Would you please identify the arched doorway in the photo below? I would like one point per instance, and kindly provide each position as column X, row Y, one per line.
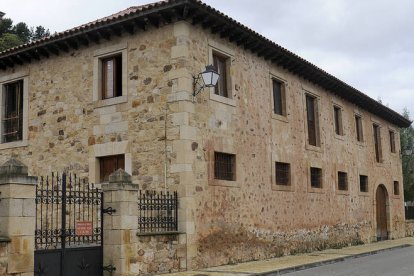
column 381, row 202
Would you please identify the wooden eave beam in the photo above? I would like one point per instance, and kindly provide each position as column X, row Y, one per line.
column 142, row 23
column 25, row 57
column 43, row 51
column 83, row 39
column 33, row 54
column 53, row 49
column 16, row 59
column 73, row 44
column 116, row 30
column 129, row 28
column 93, row 37
column 105, row 34
column 63, row 46
column 185, row 12
column 198, row 19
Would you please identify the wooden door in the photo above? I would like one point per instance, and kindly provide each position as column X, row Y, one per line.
column 381, row 198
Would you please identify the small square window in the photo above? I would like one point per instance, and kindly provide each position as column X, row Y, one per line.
column 282, row 174
column 342, row 181
column 392, row 141
column 111, row 77
column 316, row 177
column 279, row 100
column 396, row 188
column 221, row 64
column 224, row 166
column 109, row 164
column 12, row 114
column 363, row 183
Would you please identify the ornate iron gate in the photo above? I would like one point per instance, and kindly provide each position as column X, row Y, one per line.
column 68, row 236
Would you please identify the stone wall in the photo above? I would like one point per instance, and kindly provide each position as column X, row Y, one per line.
column 159, row 254
column 409, row 228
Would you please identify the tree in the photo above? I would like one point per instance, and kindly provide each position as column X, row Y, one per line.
column 14, row 35
column 407, row 145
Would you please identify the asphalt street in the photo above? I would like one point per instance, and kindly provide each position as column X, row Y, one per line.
column 397, row 262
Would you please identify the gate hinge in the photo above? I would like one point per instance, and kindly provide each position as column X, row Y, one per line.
column 109, row 268
column 108, row 211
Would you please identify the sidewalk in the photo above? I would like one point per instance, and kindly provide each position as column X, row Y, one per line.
column 298, row 262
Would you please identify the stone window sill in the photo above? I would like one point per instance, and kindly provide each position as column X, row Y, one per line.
column 313, row 148
column 111, row 101
column 223, row 183
column 283, row 188
column 159, row 233
column 366, row 194
column 282, row 118
column 16, row 144
column 342, row 192
column 316, row 190
column 221, row 99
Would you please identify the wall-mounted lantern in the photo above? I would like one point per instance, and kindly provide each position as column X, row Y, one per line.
column 209, row 77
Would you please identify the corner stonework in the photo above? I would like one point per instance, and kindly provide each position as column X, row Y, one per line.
column 17, row 218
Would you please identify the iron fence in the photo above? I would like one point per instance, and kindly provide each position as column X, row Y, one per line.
column 158, row 212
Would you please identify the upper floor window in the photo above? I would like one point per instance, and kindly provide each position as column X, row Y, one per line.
column 111, row 77
column 221, row 64
column 312, row 120
column 338, row 120
column 396, row 188
column 392, row 141
column 363, row 183
column 279, row 101
column 377, row 143
column 12, row 115
column 358, row 128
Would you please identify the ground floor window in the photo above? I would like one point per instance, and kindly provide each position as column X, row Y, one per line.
column 109, row 164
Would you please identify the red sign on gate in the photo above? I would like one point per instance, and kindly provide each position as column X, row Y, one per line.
column 83, row 228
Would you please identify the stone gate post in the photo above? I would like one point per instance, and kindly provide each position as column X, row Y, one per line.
column 119, row 236
column 17, row 217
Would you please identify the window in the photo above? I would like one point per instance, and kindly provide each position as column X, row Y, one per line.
column 312, row 120
column 282, row 174
column 316, row 177
column 396, row 188
column 110, row 164
column 224, row 166
column 221, row 63
column 111, row 77
column 358, row 128
column 338, row 120
column 392, row 141
column 342, row 181
column 279, row 102
column 363, row 183
column 377, row 143
column 12, row 115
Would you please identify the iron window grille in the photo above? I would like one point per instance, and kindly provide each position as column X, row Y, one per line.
column 316, row 177
column 342, row 181
column 282, row 174
column 224, row 166
column 363, row 183
column 158, row 212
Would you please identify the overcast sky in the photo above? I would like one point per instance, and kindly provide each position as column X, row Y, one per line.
column 368, row 44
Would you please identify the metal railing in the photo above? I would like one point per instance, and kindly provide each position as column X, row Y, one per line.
column 158, row 212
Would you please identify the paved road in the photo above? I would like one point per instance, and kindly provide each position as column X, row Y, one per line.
column 397, row 262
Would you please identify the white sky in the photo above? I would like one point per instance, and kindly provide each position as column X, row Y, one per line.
column 369, row 44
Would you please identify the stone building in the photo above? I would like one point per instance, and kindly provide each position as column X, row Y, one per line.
column 280, row 157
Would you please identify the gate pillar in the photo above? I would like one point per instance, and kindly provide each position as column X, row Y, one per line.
column 119, row 234
column 17, row 215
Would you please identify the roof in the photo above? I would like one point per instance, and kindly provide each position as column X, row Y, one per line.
column 135, row 19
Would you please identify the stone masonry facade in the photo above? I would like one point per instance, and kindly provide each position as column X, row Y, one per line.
column 157, row 124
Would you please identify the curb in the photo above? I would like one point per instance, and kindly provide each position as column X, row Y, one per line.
column 327, row 262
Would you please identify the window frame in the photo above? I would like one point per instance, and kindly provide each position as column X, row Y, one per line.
column 359, row 128
column 367, row 183
column 378, row 154
column 8, row 80
column 396, row 188
column 342, row 176
column 315, row 100
column 98, row 57
column 101, row 161
column 233, row 165
column 338, row 120
column 391, row 135
column 222, row 50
